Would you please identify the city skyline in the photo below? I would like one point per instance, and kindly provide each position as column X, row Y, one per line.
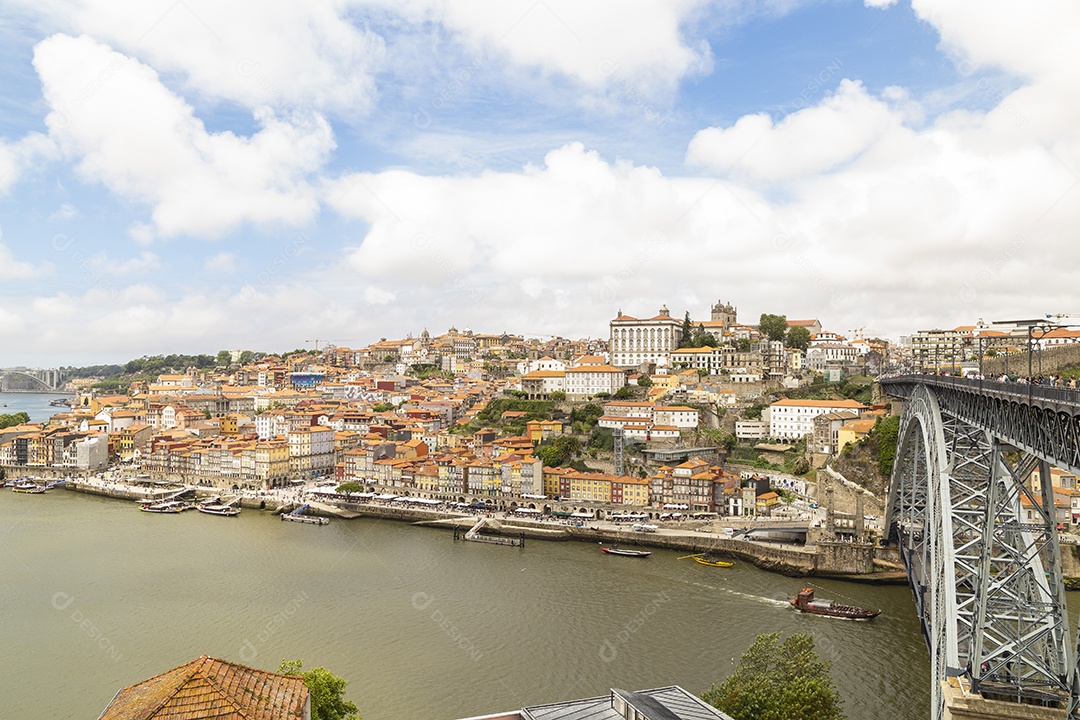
column 190, row 177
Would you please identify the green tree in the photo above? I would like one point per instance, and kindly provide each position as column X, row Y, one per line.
column 644, row 381
column 327, row 691
column 773, row 327
column 798, row 337
column 383, row 407
column 10, row 420
column 687, row 334
column 777, row 680
column 743, row 345
column 247, row 356
column 224, row 357
column 623, row 393
column 703, row 339
column 350, row 488
column 557, row 396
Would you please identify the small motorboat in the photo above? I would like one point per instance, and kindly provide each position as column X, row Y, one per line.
column 626, row 553
column 644, row 527
column 805, row 602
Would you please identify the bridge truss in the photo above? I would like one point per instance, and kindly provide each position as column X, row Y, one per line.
column 980, row 547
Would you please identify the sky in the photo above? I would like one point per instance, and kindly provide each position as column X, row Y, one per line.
column 186, row 176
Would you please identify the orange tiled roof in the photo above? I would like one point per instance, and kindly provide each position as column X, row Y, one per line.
column 211, row 688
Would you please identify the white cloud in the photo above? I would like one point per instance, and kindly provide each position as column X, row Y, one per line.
column 811, row 141
column 17, row 157
column 222, row 263
column 278, row 54
column 130, row 133
column 143, row 263
column 12, row 269
column 597, row 44
column 66, row 211
column 377, row 296
column 879, row 4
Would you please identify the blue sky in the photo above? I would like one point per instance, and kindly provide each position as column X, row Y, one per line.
column 187, row 176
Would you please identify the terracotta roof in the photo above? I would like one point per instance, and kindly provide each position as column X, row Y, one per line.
column 211, row 688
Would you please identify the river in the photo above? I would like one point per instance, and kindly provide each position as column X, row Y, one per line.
column 36, row 405
column 96, row 595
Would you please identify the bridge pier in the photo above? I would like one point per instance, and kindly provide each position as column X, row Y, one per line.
column 962, row 704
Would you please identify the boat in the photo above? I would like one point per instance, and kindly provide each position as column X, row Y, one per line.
column 705, row 560
column 170, row 507
column 805, row 602
column 644, row 527
column 26, row 485
column 625, row 553
column 218, row 509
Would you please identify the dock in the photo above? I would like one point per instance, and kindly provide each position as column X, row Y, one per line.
column 473, row 535
column 297, row 516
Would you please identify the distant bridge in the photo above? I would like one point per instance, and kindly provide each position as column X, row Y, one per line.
column 980, row 545
column 31, row 380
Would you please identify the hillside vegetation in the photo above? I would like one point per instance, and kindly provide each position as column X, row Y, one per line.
column 869, row 462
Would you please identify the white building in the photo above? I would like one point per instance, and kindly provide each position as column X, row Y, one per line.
column 547, row 363
column 678, row 415
column 587, row 380
column 635, row 341
column 793, row 419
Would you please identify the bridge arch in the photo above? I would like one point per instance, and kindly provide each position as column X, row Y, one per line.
column 979, row 546
column 18, row 373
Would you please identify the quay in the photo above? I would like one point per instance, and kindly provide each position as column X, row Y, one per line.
column 860, row 562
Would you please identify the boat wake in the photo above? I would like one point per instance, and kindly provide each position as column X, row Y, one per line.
column 746, row 596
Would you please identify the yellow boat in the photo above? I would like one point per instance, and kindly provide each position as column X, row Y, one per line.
column 701, row 558
column 712, row 563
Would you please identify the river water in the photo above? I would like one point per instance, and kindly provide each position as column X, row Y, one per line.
column 95, row 595
column 36, row 405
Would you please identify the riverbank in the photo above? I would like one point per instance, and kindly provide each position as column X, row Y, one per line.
column 840, row 561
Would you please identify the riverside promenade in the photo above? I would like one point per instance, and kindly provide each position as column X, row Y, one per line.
column 852, row 561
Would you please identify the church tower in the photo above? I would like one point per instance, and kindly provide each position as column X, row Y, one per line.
column 724, row 313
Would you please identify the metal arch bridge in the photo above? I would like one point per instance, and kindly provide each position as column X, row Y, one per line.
column 979, row 545
column 50, row 380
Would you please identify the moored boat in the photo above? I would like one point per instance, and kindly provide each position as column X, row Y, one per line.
column 805, row 602
column 169, row 507
column 626, row 553
column 26, row 485
column 218, row 509
column 705, row 560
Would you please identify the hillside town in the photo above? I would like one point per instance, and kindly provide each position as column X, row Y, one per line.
column 647, row 418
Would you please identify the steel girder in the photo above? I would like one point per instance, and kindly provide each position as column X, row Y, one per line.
column 980, row 550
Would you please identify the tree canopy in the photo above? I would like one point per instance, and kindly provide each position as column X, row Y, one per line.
column 798, row 337
column 777, row 680
column 773, row 327
column 11, row 419
column 327, row 691
column 701, row 338
column 350, row 488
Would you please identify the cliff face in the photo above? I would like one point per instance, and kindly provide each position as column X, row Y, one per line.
column 861, row 462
